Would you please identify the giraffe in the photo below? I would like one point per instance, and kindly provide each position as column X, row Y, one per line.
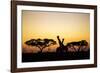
column 61, row 47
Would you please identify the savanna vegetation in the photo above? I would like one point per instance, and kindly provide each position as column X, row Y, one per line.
column 75, row 50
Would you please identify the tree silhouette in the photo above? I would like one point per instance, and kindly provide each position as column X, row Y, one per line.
column 78, row 43
column 82, row 43
column 41, row 43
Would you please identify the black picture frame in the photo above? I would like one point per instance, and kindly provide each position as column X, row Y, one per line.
column 14, row 35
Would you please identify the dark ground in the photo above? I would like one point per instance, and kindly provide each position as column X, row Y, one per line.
column 37, row 57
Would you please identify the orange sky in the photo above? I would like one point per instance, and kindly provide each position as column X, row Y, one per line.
column 70, row 26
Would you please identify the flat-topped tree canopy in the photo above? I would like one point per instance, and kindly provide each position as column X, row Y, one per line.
column 41, row 43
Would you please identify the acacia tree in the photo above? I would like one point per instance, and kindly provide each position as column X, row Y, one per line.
column 41, row 43
column 79, row 43
column 82, row 43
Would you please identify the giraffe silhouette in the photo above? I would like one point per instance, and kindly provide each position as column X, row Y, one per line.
column 61, row 47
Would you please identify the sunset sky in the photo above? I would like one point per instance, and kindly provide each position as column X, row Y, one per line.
column 70, row 26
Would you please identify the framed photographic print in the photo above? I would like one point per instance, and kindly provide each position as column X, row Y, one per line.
column 52, row 36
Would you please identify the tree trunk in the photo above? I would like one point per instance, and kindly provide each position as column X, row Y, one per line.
column 41, row 49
